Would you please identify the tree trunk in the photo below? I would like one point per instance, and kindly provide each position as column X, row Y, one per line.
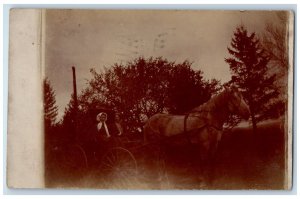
column 252, row 114
column 254, row 122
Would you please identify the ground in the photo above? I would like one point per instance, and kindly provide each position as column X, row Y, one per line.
column 245, row 160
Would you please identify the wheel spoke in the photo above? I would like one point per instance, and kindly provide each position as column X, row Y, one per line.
column 119, row 164
column 110, row 160
column 108, row 165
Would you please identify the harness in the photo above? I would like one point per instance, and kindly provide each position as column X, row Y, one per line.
column 184, row 128
column 202, row 127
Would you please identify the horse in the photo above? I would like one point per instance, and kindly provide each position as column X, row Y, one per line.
column 202, row 125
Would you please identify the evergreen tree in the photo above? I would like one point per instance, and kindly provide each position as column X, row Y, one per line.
column 248, row 65
column 69, row 121
column 69, row 113
column 50, row 108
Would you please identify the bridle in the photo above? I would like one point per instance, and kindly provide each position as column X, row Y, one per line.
column 237, row 107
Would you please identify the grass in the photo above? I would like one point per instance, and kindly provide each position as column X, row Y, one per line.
column 245, row 160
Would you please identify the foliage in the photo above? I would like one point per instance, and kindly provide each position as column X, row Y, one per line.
column 249, row 67
column 187, row 88
column 274, row 41
column 143, row 87
column 75, row 122
column 50, row 107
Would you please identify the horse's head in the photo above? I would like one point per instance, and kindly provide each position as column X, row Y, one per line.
column 236, row 102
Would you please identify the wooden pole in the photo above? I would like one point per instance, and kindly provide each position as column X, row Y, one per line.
column 75, row 101
column 74, row 87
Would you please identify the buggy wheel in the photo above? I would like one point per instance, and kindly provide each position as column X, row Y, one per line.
column 74, row 159
column 119, row 166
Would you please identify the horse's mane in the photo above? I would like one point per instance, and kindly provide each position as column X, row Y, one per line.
column 214, row 102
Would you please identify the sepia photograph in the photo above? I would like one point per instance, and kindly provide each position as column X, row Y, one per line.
column 167, row 99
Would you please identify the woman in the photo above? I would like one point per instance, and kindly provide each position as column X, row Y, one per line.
column 102, row 126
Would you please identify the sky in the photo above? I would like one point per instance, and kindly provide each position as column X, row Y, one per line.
column 99, row 38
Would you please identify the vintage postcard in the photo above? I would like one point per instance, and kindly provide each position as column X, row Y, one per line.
column 150, row 99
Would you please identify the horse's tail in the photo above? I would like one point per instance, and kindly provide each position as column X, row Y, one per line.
column 148, row 128
column 185, row 128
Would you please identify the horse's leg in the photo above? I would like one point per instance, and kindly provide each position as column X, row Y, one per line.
column 149, row 155
column 211, row 164
column 204, row 143
column 162, row 167
column 153, row 131
column 213, row 152
column 156, row 165
column 202, row 163
column 151, row 165
column 152, row 158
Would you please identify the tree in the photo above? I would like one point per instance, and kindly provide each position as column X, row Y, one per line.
column 249, row 67
column 144, row 87
column 135, row 90
column 50, row 108
column 74, row 121
column 69, row 113
column 188, row 89
column 275, row 41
